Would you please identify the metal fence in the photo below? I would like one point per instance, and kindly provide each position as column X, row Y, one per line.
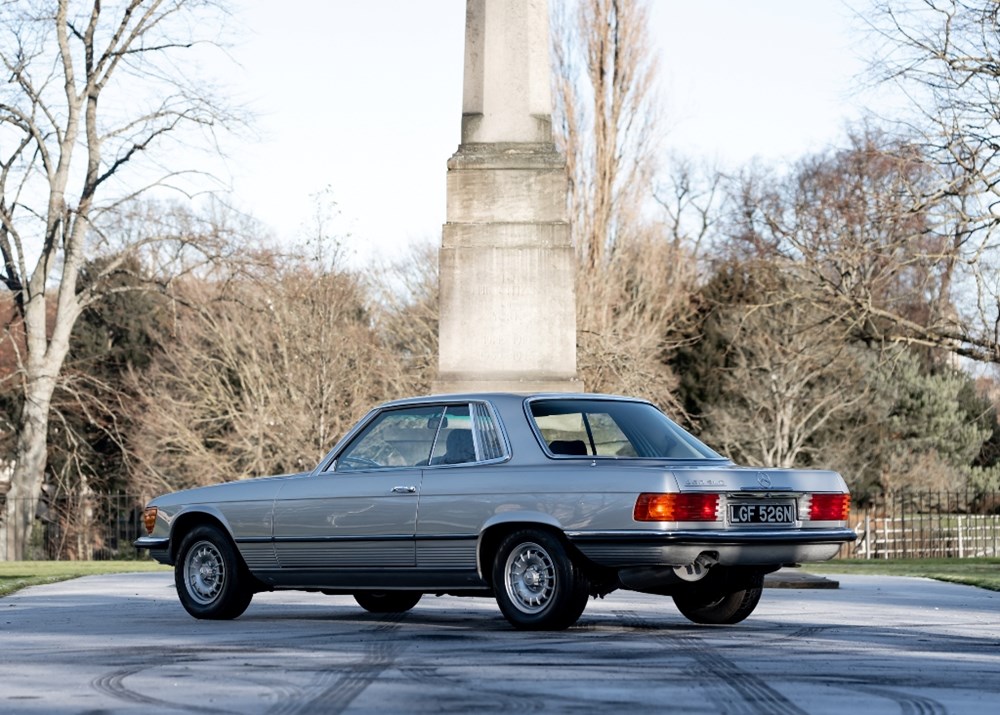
column 924, row 525
column 889, row 526
column 95, row 527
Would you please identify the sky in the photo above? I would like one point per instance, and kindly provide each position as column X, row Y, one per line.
column 361, row 101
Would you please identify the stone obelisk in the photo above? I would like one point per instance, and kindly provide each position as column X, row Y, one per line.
column 508, row 301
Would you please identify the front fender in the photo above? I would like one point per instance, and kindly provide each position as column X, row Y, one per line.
column 171, row 523
column 195, row 513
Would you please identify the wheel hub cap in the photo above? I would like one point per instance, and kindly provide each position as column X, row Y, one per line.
column 204, row 572
column 530, row 578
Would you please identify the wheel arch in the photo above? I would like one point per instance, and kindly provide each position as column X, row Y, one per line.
column 188, row 519
column 496, row 529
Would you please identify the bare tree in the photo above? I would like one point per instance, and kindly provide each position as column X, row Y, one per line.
column 262, row 376
column 691, row 197
column 606, row 120
column 97, row 94
column 408, row 314
column 630, row 314
column 859, row 224
column 636, row 266
column 945, row 56
column 788, row 372
column 823, row 363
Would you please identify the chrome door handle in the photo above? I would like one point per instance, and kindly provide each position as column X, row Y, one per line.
column 404, row 490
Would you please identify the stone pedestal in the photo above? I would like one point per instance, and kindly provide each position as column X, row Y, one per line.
column 508, row 301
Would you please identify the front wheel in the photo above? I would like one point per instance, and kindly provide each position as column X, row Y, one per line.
column 721, row 603
column 387, row 601
column 536, row 583
column 211, row 580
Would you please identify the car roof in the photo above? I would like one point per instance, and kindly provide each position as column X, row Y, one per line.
column 507, row 397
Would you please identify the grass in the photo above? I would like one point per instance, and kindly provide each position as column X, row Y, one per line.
column 15, row 575
column 984, row 573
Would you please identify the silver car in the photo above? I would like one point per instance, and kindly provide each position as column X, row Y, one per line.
column 539, row 501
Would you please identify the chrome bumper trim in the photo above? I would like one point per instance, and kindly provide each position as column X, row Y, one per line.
column 718, row 536
column 153, row 543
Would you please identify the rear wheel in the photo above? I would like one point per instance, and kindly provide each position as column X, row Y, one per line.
column 721, row 601
column 536, row 583
column 387, row 601
column 210, row 577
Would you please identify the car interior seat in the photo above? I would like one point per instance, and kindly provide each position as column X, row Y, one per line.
column 459, row 448
column 572, row 447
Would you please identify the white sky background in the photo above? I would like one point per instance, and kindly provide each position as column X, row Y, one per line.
column 365, row 97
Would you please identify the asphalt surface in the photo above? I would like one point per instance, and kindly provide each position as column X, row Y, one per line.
column 123, row 644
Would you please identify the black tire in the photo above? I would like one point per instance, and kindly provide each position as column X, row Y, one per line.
column 387, row 601
column 721, row 603
column 211, row 579
column 536, row 583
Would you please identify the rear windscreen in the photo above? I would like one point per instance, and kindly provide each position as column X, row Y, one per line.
column 613, row 428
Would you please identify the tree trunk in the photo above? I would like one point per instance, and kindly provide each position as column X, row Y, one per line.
column 29, row 469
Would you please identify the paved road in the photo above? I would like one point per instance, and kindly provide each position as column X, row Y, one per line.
column 122, row 644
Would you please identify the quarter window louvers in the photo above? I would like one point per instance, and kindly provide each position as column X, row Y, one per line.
column 486, row 432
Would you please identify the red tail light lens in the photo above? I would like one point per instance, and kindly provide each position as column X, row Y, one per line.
column 830, row 507
column 676, row 507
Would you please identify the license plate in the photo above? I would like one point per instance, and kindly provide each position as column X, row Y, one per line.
column 769, row 513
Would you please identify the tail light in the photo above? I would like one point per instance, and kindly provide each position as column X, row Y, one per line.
column 149, row 518
column 676, row 507
column 829, row 507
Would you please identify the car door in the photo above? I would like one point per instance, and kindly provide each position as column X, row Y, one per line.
column 461, row 489
column 361, row 513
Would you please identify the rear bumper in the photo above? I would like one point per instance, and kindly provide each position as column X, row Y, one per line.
column 757, row 547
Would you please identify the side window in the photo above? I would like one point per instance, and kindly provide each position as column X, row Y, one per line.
column 469, row 433
column 609, row 440
column 583, row 433
column 396, row 438
column 565, row 433
column 456, row 444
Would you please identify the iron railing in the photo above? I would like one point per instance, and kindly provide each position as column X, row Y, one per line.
column 924, row 525
column 93, row 527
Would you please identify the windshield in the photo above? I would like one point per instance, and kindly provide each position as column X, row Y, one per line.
column 613, row 428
